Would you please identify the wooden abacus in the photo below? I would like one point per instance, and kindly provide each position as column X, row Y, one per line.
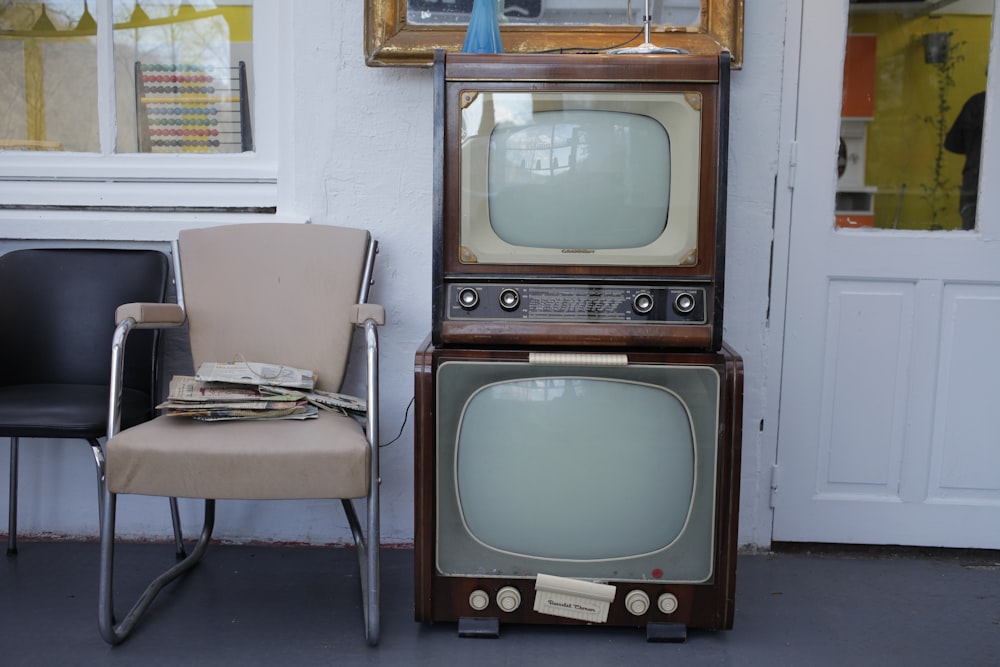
column 180, row 109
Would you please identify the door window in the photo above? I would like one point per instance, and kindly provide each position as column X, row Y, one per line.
column 912, row 115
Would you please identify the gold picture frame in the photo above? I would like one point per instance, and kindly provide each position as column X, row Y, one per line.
column 391, row 41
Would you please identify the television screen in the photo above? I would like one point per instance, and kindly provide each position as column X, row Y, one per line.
column 603, row 178
column 632, row 497
column 581, row 471
column 600, row 178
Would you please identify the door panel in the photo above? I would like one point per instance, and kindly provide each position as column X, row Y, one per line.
column 864, row 387
column 889, row 392
column 966, row 464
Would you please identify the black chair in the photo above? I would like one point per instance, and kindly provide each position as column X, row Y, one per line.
column 57, row 309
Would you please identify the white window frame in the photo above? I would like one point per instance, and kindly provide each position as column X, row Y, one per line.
column 164, row 184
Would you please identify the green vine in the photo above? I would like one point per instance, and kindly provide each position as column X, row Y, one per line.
column 938, row 193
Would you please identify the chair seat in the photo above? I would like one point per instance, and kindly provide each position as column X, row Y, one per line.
column 64, row 410
column 325, row 457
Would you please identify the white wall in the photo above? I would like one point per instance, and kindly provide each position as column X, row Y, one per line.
column 362, row 158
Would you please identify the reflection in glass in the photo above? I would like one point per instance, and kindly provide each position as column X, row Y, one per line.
column 966, row 138
column 186, row 56
column 185, row 59
column 571, row 166
column 911, row 121
column 48, row 76
column 559, row 12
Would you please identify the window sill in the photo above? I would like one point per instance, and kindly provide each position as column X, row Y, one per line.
column 91, row 225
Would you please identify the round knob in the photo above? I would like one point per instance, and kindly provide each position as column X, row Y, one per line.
column 642, row 303
column 637, row 602
column 479, row 600
column 509, row 299
column 684, row 303
column 468, row 298
column 667, row 603
column 508, row 598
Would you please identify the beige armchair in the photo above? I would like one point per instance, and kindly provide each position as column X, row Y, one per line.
column 280, row 293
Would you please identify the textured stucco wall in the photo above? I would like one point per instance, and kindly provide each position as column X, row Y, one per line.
column 362, row 158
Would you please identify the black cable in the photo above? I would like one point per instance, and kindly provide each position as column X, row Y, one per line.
column 403, row 426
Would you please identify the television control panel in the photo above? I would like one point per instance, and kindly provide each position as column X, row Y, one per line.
column 674, row 314
column 599, row 302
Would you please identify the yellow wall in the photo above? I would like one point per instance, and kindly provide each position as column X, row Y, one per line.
column 902, row 146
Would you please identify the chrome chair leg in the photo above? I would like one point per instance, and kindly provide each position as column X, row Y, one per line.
column 95, row 447
column 12, row 506
column 115, row 633
column 368, row 565
column 175, row 518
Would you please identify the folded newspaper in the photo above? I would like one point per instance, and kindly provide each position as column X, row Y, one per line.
column 257, row 373
column 333, row 401
column 217, row 401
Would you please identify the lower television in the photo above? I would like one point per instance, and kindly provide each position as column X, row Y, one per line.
column 578, row 487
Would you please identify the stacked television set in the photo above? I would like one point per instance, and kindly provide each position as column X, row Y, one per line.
column 578, row 414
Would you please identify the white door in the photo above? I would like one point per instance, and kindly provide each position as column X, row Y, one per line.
column 889, row 427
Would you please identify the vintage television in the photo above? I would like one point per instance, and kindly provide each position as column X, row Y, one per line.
column 557, row 486
column 579, row 199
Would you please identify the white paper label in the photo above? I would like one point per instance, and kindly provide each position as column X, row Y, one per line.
column 573, row 598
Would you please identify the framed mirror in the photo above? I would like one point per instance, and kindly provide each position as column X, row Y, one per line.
column 406, row 32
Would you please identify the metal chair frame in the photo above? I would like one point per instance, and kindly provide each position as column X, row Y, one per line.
column 366, row 537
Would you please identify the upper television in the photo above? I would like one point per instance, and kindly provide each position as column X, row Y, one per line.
column 580, row 199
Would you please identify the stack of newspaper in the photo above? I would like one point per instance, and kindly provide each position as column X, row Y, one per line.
column 252, row 390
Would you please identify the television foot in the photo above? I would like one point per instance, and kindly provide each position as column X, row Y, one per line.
column 481, row 628
column 666, row 632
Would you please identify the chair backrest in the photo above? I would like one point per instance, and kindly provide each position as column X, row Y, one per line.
column 273, row 292
column 57, row 308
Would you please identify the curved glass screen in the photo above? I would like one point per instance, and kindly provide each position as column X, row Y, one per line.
column 588, row 179
column 575, row 468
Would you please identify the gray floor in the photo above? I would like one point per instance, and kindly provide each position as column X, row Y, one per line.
column 267, row 605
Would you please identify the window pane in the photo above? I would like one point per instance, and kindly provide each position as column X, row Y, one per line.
column 912, row 117
column 183, row 76
column 48, row 76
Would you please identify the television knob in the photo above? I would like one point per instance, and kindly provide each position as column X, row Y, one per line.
column 479, row 599
column 637, row 602
column 684, row 303
column 468, row 298
column 509, row 299
column 642, row 303
column 667, row 603
column 508, row 598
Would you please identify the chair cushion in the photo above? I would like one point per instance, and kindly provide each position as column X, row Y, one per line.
column 65, row 410
column 327, row 457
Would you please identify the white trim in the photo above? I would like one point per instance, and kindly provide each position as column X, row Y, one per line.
column 107, row 113
column 117, row 226
column 987, row 222
column 239, row 196
column 775, row 332
column 280, row 117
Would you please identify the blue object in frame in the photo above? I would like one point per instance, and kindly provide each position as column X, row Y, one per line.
column 483, row 35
